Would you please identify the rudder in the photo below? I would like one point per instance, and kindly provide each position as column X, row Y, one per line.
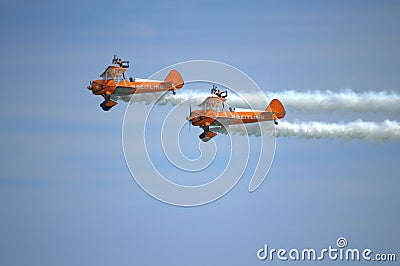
column 276, row 107
column 175, row 77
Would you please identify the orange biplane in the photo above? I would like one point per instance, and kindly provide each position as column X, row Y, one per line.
column 114, row 83
column 213, row 114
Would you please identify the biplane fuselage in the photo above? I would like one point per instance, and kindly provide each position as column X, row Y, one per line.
column 213, row 113
column 209, row 118
column 110, row 85
column 114, row 83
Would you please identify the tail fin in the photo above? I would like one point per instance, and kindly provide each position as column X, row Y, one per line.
column 175, row 78
column 276, row 107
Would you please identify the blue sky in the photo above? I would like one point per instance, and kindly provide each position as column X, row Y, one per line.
column 66, row 194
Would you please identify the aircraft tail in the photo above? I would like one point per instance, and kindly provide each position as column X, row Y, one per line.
column 276, row 107
column 175, row 77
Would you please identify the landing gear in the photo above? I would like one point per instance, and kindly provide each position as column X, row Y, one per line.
column 275, row 117
column 202, row 136
column 104, row 106
column 174, row 92
column 207, row 134
column 107, row 104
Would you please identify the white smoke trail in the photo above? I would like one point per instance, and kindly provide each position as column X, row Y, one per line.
column 343, row 101
column 387, row 130
column 372, row 131
column 310, row 101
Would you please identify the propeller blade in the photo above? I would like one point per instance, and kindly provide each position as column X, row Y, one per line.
column 190, row 116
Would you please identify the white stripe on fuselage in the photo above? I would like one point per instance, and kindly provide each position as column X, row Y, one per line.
column 147, row 80
column 247, row 110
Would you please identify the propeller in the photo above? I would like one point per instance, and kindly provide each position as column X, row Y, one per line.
column 190, row 116
column 90, row 85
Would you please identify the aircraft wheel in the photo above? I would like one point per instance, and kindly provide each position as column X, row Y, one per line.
column 105, row 107
column 202, row 136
